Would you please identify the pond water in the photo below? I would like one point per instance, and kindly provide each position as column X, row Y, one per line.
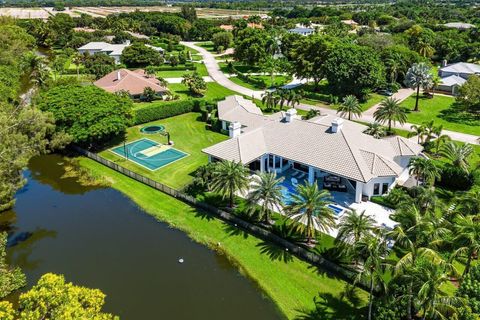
column 98, row 238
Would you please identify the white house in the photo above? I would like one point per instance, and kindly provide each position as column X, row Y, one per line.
column 331, row 151
column 456, row 74
column 112, row 50
column 459, row 25
column 302, row 31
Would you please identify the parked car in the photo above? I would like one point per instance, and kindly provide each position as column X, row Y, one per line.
column 385, row 92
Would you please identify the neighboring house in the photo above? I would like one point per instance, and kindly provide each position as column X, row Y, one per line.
column 459, row 25
column 226, row 27
column 323, row 149
column 456, row 74
column 302, row 31
column 133, row 82
column 112, row 50
column 351, row 23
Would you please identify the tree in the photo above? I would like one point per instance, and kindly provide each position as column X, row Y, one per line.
column 52, row 298
column 195, row 83
column 77, row 59
column 265, row 195
column 469, row 94
column 272, row 66
column 148, row 94
column 189, row 13
column 440, row 141
column 390, row 112
column 98, row 64
column 376, row 130
column 372, row 249
column 470, row 289
column 139, row 55
column 354, row 226
column 353, row 69
column 58, row 65
column 11, row 278
column 467, row 238
column 174, row 61
column 222, row 39
column 308, row 209
column 419, row 75
column 424, row 169
column 349, row 107
column 229, row 178
column 88, row 114
column 282, row 97
column 270, row 99
column 251, row 46
column 294, row 97
column 458, row 154
column 308, row 57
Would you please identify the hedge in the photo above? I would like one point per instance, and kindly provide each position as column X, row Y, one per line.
column 162, row 110
column 256, row 82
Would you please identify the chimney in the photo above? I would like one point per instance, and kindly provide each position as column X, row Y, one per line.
column 290, row 115
column 337, row 125
column 119, row 75
column 127, row 42
column 444, row 63
column 234, row 129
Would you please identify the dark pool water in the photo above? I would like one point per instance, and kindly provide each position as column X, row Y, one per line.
column 99, row 238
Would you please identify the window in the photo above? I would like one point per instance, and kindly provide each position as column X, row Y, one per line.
column 384, row 188
column 376, row 188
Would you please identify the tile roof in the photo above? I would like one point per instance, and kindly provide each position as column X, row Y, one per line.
column 132, row 81
column 453, row 80
column 462, row 67
column 349, row 153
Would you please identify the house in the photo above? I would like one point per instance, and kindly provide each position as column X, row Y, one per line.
column 331, row 151
column 112, row 50
column 350, row 23
column 459, row 25
column 455, row 75
column 133, row 82
column 302, row 31
column 226, row 27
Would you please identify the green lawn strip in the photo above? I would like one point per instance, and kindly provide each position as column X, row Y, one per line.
column 443, row 110
column 189, row 135
column 292, row 285
column 278, row 81
column 208, row 45
column 214, row 91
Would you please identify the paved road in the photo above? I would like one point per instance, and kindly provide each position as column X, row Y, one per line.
column 217, row 75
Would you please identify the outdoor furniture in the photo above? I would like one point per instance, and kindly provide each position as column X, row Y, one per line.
column 331, row 178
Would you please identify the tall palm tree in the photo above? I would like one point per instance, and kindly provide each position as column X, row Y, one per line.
column 418, row 76
column 440, row 141
column 265, row 195
column 373, row 249
column 390, row 111
column 350, row 106
column 294, row 97
column 270, row 99
column 228, row 178
column 467, row 239
column 458, row 154
column 282, row 97
column 78, row 59
column 354, row 226
column 469, row 202
column 376, row 130
column 424, row 169
column 425, row 49
column 419, row 131
column 309, row 210
column 436, row 81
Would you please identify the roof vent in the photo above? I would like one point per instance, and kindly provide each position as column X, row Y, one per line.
column 290, row 115
column 119, row 75
column 234, row 129
column 337, row 125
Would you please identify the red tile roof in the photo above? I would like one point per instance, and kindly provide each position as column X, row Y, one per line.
column 132, row 81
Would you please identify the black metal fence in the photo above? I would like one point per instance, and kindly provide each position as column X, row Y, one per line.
column 292, row 248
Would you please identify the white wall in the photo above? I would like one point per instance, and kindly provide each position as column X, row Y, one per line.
column 368, row 187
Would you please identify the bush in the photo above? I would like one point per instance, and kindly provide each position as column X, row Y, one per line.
column 470, row 288
column 454, row 178
column 164, row 110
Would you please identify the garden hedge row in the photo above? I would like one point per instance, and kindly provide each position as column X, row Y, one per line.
column 256, row 82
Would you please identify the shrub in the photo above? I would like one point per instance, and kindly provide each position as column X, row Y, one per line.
column 470, row 289
column 164, row 110
column 454, row 178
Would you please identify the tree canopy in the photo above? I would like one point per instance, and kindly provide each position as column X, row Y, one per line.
column 139, row 55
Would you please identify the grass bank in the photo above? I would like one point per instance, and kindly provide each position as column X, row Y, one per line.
column 292, row 284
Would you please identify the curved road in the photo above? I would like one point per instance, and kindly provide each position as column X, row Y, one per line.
column 218, row 76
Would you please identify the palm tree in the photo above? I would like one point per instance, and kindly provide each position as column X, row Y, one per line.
column 265, row 195
column 294, row 97
column 467, row 239
column 434, row 303
column 78, row 59
column 440, row 141
column 469, row 202
column 282, row 96
column 436, row 81
column 230, row 177
column 431, row 130
column 457, row 153
column 204, row 174
column 424, row 169
column 350, row 106
column 425, row 49
column 353, row 226
column 417, row 76
column 376, row 130
column 419, row 131
column 373, row 249
column 270, row 99
column 309, row 210
column 390, row 111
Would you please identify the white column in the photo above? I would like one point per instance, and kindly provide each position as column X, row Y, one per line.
column 311, row 175
column 262, row 163
column 274, row 160
column 358, row 192
column 224, row 125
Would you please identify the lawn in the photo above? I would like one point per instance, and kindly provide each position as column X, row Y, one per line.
column 199, row 68
column 214, row 91
column 189, row 135
column 279, row 81
column 208, row 45
column 443, row 110
column 292, row 285
column 240, row 67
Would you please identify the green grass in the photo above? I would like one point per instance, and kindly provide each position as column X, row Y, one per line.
column 291, row 285
column 199, row 68
column 214, row 91
column 443, row 110
column 279, row 81
column 240, row 67
column 208, row 45
column 189, row 135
